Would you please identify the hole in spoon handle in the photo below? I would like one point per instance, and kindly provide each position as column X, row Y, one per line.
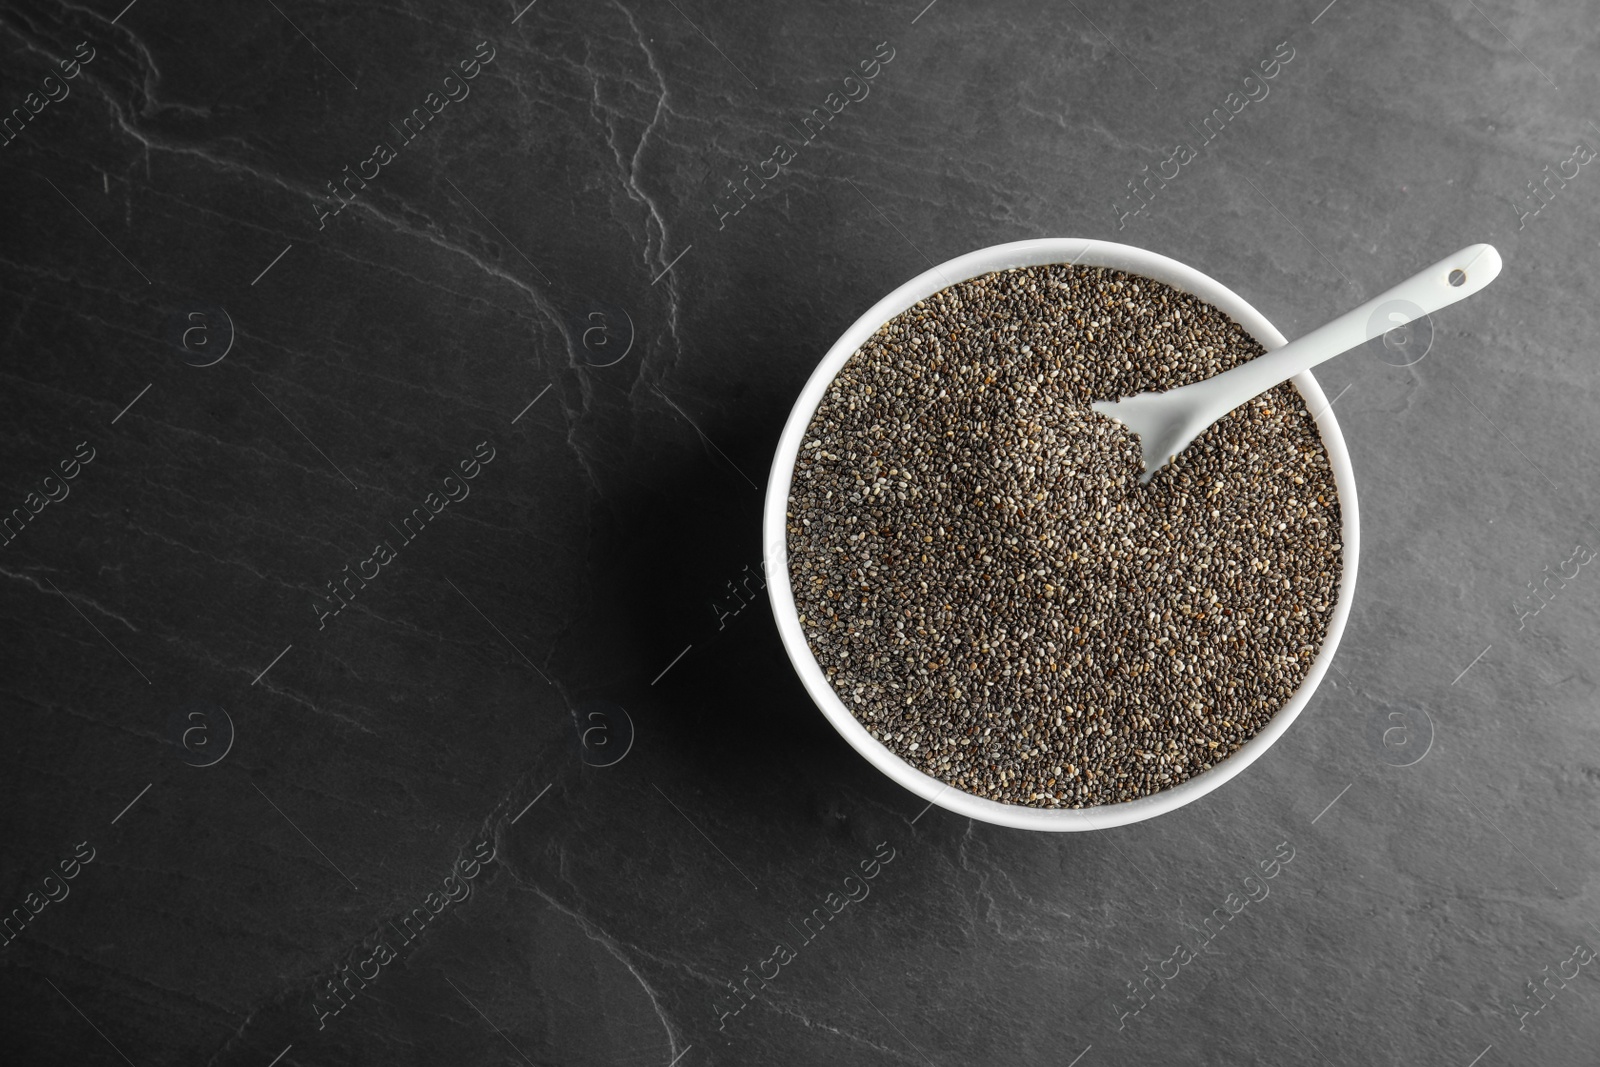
column 1458, row 277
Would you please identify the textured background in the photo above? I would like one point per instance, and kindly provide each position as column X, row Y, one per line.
column 582, row 633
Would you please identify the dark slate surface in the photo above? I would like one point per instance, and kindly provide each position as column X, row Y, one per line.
column 516, row 252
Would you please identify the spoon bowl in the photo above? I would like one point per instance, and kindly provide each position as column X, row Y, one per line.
column 930, row 790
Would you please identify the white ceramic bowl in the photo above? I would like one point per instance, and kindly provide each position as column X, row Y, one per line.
column 1003, row 257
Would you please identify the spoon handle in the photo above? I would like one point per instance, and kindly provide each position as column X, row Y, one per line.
column 1452, row 278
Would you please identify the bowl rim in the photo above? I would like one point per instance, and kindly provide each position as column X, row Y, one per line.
column 1041, row 252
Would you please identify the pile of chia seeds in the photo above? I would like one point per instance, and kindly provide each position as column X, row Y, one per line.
column 989, row 588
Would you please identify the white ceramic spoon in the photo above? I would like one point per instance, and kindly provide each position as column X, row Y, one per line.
column 1167, row 422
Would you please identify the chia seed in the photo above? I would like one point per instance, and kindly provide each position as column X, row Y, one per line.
column 988, row 587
